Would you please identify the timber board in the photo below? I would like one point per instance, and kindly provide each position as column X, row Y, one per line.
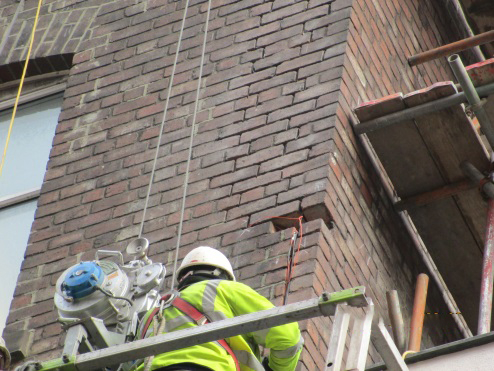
column 422, row 155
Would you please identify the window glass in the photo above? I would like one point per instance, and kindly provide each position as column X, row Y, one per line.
column 15, row 225
column 29, row 145
column 24, row 168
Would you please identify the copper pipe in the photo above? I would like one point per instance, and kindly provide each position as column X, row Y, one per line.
column 417, row 322
column 397, row 323
column 485, row 307
column 448, row 49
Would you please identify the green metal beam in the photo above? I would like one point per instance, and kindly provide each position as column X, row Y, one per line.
column 139, row 349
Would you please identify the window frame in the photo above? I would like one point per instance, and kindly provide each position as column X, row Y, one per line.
column 34, row 193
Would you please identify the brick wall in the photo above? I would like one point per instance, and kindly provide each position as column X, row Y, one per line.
column 273, row 138
column 382, row 34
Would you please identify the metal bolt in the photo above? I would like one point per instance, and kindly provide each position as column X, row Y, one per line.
column 325, row 296
column 148, row 273
column 65, row 358
column 108, row 283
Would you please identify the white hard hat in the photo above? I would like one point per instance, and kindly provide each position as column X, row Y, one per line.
column 205, row 255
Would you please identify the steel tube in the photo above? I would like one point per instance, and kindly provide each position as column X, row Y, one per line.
column 397, row 323
column 466, row 27
column 417, row 322
column 486, row 284
column 435, row 195
column 472, row 97
column 476, row 176
column 448, row 49
column 417, row 111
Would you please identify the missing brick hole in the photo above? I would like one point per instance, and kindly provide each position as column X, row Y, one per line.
column 280, row 224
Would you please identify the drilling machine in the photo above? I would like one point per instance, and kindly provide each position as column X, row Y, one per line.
column 100, row 302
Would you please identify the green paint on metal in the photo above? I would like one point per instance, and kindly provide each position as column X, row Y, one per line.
column 347, row 295
column 67, row 363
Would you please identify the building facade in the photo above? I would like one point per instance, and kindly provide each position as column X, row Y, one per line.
column 273, row 138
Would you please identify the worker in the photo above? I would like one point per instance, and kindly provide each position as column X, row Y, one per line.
column 207, row 284
column 4, row 355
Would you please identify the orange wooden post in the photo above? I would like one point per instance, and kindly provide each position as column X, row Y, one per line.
column 417, row 322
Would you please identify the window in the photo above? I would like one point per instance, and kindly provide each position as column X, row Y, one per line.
column 20, row 182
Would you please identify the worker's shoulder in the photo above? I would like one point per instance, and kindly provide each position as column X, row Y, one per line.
column 235, row 286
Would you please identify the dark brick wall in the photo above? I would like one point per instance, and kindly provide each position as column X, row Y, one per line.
column 273, row 138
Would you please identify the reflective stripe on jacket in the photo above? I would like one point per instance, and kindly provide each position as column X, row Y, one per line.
column 221, row 299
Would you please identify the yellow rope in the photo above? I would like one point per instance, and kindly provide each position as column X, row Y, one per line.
column 20, row 86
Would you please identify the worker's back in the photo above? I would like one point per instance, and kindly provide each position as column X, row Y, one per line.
column 221, row 299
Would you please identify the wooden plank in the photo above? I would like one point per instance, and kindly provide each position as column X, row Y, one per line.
column 450, row 242
column 448, row 134
column 451, row 139
column 401, row 150
column 481, row 73
column 424, row 155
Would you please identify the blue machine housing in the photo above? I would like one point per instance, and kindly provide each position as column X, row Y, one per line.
column 81, row 280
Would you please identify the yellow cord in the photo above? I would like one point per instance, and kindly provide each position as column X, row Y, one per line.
column 20, row 86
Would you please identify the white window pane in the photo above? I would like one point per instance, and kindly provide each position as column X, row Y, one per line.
column 15, row 225
column 29, row 146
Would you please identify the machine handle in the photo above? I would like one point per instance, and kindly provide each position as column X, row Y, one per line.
column 110, row 252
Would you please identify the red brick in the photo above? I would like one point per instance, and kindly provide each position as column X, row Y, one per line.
column 211, row 171
column 289, row 209
column 234, row 177
column 277, row 58
column 232, row 50
column 238, row 5
column 251, row 78
column 269, row 106
column 313, row 115
column 309, row 141
column 291, row 111
column 275, row 81
column 297, row 40
column 284, row 12
column 221, row 229
column 305, row 16
column 283, row 161
column 252, row 195
column 215, row 146
column 243, row 126
column 238, row 27
column 260, row 157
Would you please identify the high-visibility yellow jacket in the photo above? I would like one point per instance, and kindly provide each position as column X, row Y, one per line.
column 221, row 299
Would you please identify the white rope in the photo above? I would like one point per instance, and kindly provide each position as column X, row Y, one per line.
column 192, row 132
column 165, row 111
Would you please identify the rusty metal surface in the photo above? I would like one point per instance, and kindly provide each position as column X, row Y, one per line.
column 455, row 47
column 480, row 73
column 424, row 155
column 485, row 307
